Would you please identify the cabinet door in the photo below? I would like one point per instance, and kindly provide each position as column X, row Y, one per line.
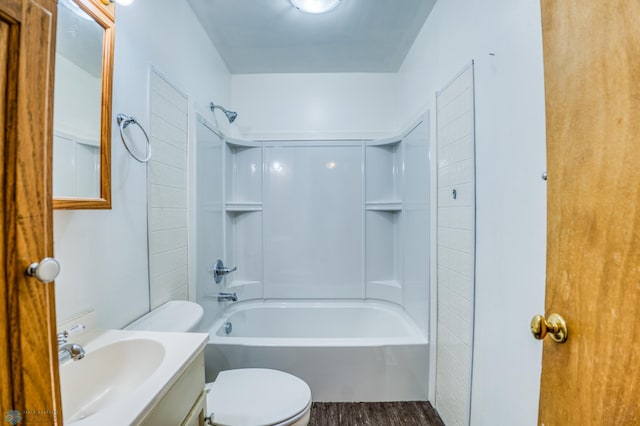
column 178, row 404
column 197, row 414
column 29, row 382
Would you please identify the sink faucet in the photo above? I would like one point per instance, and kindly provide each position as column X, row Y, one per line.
column 69, row 350
column 227, row 297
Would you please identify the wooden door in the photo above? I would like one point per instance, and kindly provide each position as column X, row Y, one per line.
column 592, row 83
column 29, row 385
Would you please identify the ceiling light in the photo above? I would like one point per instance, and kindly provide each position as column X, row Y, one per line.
column 315, row 6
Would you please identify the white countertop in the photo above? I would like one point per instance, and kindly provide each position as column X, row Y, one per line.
column 180, row 349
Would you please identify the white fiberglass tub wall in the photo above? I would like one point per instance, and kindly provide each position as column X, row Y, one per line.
column 321, row 219
column 344, row 350
column 313, row 219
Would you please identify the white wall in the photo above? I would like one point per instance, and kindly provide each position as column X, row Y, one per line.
column 104, row 253
column 511, row 206
column 316, row 106
column 77, row 102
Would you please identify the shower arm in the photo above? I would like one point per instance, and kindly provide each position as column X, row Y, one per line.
column 213, row 106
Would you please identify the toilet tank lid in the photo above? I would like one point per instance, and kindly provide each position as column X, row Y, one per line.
column 175, row 315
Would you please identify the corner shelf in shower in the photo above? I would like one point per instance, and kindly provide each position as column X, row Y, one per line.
column 242, row 283
column 243, row 216
column 243, row 176
column 387, row 283
column 241, row 143
column 384, row 206
column 384, row 173
column 389, row 290
column 395, row 140
column 237, row 207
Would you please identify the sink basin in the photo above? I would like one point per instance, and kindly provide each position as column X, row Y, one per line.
column 106, row 374
column 123, row 374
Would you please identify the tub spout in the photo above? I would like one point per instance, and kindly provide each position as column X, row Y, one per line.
column 227, row 297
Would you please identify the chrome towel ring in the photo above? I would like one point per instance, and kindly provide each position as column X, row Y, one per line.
column 124, row 121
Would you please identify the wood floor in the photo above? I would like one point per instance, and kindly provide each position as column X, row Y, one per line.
column 374, row 414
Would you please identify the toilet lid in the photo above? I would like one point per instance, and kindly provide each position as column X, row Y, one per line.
column 256, row 397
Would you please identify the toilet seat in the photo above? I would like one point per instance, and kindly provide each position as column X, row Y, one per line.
column 257, row 397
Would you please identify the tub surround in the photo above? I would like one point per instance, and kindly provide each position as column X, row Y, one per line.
column 316, row 219
column 331, row 242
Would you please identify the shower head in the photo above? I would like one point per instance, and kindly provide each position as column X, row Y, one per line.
column 231, row 115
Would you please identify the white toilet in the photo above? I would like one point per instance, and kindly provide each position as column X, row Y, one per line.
column 242, row 397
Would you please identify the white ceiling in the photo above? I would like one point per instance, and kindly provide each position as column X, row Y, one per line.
column 271, row 36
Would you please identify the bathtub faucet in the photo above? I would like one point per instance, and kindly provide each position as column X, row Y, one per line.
column 227, row 297
column 219, row 270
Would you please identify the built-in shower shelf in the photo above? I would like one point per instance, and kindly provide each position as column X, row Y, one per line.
column 384, row 206
column 390, row 290
column 240, row 143
column 243, row 207
column 388, row 283
column 242, row 283
column 385, row 142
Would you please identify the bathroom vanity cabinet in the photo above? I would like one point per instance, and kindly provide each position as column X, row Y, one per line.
column 184, row 402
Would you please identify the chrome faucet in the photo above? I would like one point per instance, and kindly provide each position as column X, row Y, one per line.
column 70, row 351
column 66, row 350
column 219, row 270
column 227, row 297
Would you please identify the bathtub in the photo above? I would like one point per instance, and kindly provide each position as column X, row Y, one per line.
column 345, row 351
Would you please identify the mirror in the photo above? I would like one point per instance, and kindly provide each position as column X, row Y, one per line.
column 82, row 106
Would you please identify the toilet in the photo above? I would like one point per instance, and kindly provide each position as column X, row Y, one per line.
column 242, row 397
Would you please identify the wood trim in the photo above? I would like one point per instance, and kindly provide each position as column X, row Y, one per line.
column 107, row 6
column 8, row 62
column 28, row 311
column 105, row 20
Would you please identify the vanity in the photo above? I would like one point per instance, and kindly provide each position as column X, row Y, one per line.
column 135, row 378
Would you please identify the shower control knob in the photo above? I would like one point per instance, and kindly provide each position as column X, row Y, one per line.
column 219, row 271
column 46, row 271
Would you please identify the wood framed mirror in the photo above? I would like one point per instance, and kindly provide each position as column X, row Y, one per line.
column 82, row 105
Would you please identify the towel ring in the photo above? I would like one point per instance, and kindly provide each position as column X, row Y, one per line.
column 123, row 122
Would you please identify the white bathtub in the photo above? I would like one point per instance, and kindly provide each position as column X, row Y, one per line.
column 345, row 351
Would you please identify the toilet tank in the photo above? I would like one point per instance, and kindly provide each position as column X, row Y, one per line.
column 175, row 315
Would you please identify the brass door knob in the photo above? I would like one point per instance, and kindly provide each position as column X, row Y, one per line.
column 555, row 327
